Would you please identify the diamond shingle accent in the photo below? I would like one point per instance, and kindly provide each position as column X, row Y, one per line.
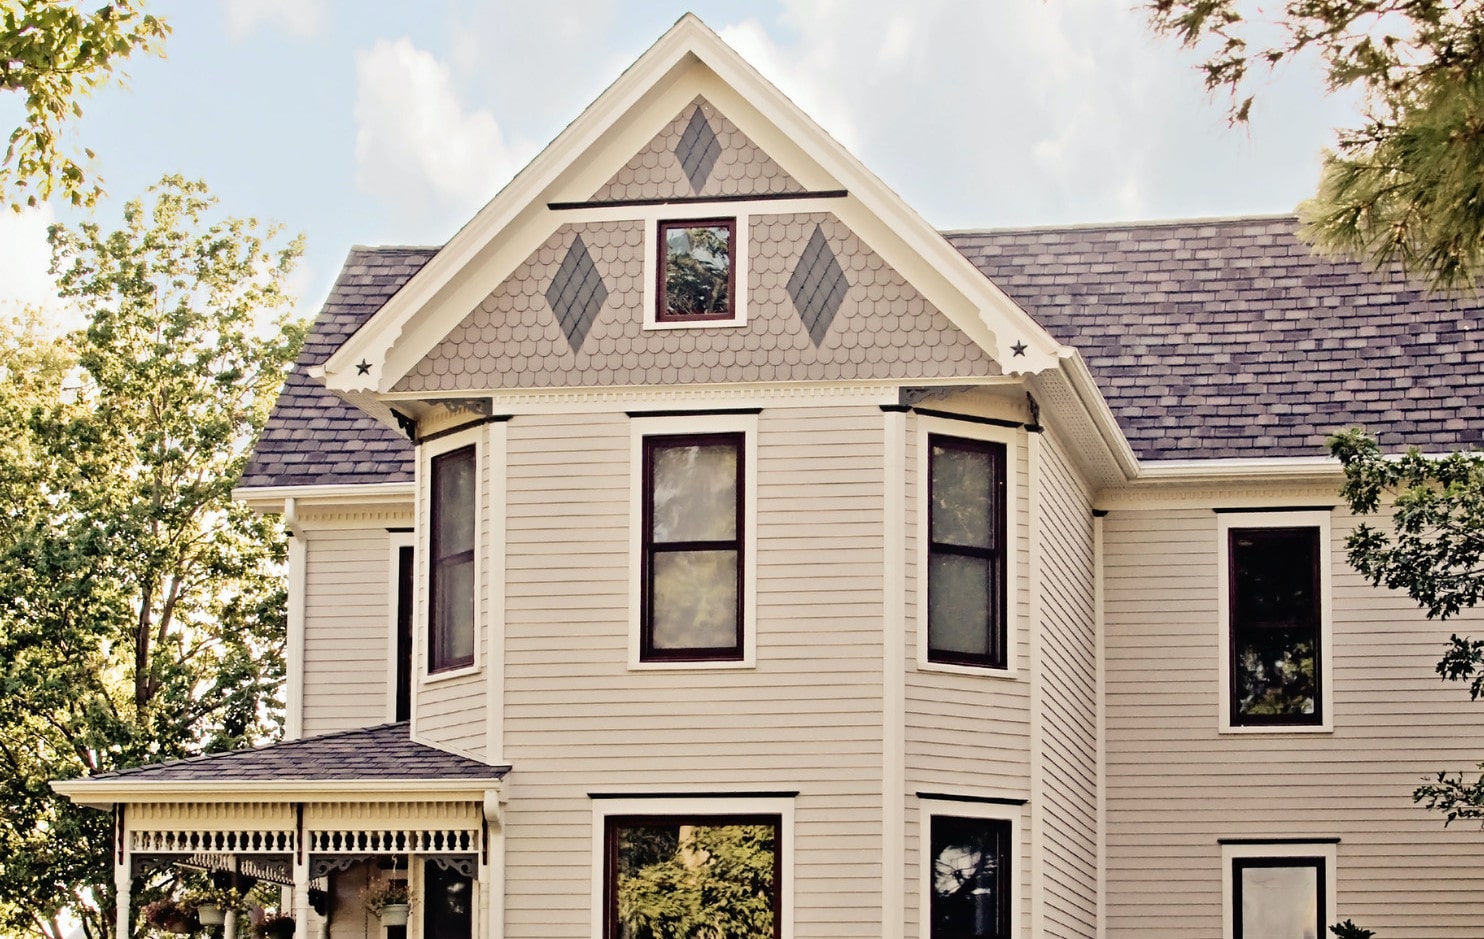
column 698, row 150
column 817, row 286
column 576, row 293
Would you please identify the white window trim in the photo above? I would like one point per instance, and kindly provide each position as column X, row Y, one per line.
column 740, row 804
column 397, row 540
column 930, row 807
column 1225, row 522
column 652, row 216
column 1231, row 852
column 641, row 427
column 1010, row 438
column 422, row 555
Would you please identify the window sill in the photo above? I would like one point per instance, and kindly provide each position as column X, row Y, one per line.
column 978, row 671
column 697, row 324
column 1272, row 729
column 463, row 671
column 691, row 666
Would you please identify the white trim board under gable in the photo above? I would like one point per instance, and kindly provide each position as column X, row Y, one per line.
column 688, row 60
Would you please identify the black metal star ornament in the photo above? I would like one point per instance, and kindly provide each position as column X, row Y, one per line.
column 1018, row 349
column 364, row 368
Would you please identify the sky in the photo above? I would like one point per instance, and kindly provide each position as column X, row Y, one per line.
column 393, row 122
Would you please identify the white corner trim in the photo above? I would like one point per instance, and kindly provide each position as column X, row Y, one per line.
column 740, row 804
column 1100, row 653
column 1013, row 441
column 929, row 807
column 496, row 514
column 641, row 427
column 294, row 641
column 1225, row 522
column 1328, row 851
column 1036, row 667
column 894, row 675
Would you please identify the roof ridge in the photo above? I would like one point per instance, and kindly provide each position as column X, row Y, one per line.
column 275, row 745
column 1127, row 224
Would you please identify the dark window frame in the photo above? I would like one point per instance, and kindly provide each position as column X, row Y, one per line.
column 1004, row 833
column 1234, row 717
column 662, row 312
column 438, row 661
column 1320, row 865
column 406, row 576
column 612, row 823
column 649, row 548
column 997, row 619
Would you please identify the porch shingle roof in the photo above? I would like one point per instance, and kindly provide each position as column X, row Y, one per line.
column 385, row 753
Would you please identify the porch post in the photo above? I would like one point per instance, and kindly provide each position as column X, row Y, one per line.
column 301, row 873
column 123, row 869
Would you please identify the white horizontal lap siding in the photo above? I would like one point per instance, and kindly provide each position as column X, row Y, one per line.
column 347, row 590
column 1069, row 695
column 1175, row 785
column 807, row 717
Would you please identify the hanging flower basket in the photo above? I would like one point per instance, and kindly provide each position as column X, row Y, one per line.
column 394, row 914
column 210, row 914
column 389, row 900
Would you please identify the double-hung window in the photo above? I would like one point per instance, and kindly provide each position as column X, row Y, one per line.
column 1279, row 888
column 1276, row 638
column 966, row 554
column 451, row 579
column 692, row 564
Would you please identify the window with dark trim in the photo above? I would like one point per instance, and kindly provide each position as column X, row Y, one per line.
column 402, row 706
column 1278, row 898
column 970, row 878
column 451, row 562
column 1275, row 626
column 693, row 875
column 966, row 552
column 691, row 606
column 697, row 271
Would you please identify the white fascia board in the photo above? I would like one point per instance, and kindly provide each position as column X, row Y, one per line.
column 274, row 498
column 373, row 341
column 100, row 793
column 1244, row 469
column 1091, row 396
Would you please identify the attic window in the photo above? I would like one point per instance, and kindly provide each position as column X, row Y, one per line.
column 697, row 271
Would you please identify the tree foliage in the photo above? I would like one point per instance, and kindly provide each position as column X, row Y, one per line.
column 697, row 882
column 1434, row 552
column 55, row 54
column 1405, row 185
column 141, row 610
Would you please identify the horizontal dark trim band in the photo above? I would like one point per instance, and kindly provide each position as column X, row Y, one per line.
column 982, row 800
column 468, row 425
column 896, row 408
column 1260, row 841
column 1099, row 513
column 698, row 411
column 780, row 794
column 971, row 418
column 699, row 200
column 400, row 531
column 1254, row 509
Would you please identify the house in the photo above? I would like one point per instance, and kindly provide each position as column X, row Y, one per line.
column 698, row 517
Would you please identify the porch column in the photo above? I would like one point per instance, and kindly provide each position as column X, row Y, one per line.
column 301, row 873
column 123, row 871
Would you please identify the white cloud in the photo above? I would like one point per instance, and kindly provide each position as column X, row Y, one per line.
column 302, row 19
column 24, row 260
column 418, row 148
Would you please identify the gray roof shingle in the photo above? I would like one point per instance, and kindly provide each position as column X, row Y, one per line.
column 385, row 752
column 1209, row 339
column 1229, row 338
column 313, row 438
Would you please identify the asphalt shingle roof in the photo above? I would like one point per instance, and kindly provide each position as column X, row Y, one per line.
column 1209, row 339
column 1230, row 339
column 313, row 438
column 373, row 753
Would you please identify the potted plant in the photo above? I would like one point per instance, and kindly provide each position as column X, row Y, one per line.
column 389, row 900
column 276, row 926
column 167, row 915
column 212, row 904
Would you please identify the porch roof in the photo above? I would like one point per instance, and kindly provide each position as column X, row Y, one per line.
column 385, row 753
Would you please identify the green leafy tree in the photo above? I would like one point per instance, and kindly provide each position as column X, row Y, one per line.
column 55, row 54
column 1434, row 552
column 141, row 609
column 1405, row 185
